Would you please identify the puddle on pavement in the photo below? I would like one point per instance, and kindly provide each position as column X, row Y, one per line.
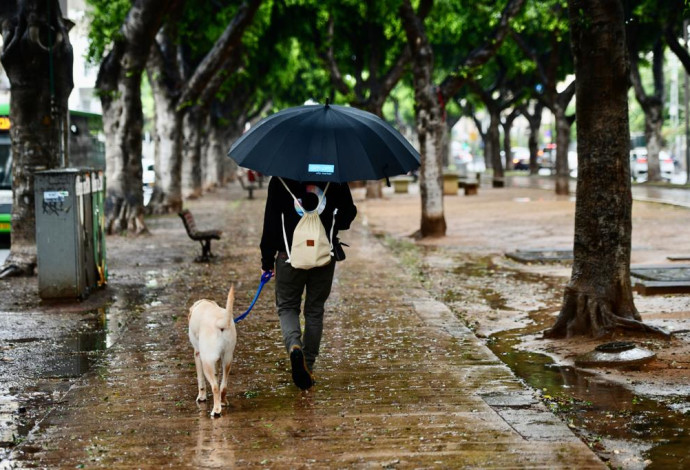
column 603, row 413
column 45, row 368
column 623, row 428
column 619, row 425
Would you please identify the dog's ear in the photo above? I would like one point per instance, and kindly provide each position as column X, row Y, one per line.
column 231, row 299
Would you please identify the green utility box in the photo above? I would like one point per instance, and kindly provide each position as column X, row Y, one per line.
column 69, row 225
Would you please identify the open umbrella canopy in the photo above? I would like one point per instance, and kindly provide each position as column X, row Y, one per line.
column 325, row 143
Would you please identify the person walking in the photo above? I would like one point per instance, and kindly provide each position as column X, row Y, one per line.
column 286, row 202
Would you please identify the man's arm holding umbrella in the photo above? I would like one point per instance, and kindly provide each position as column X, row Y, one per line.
column 347, row 211
column 270, row 239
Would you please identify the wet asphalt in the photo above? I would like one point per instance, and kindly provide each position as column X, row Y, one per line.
column 401, row 382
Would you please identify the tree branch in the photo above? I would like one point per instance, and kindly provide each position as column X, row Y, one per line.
column 232, row 63
column 396, row 72
column 636, row 80
column 329, row 59
column 677, row 48
column 564, row 97
column 658, row 69
column 530, row 53
column 480, row 55
column 220, row 52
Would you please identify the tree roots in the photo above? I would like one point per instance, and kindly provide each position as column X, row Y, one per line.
column 18, row 265
column 586, row 314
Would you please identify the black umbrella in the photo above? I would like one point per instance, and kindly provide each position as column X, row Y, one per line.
column 325, row 143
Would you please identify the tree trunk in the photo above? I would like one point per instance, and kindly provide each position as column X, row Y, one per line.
column 176, row 95
column 227, row 134
column 652, row 105
column 653, row 122
column 167, row 193
column 598, row 299
column 191, row 153
column 212, row 170
column 119, row 84
column 430, row 126
column 445, row 146
column 533, row 142
column 37, row 57
column 493, row 137
column 562, row 143
column 507, row 147
column 123, row 122
column 485, row 141
column 430, row 131
column 374, row 189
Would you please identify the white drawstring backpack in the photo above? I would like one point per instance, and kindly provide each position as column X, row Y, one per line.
column 311, row 246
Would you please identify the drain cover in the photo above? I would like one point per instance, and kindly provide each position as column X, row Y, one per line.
column 615, row 346
column 615, row 354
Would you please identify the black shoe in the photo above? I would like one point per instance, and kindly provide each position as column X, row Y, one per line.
column 300, row 373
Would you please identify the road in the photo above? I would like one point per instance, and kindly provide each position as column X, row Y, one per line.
column 640, row 192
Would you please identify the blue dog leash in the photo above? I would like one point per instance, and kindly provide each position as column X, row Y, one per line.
column 265, row 277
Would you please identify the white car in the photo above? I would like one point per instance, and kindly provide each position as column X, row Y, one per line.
column 148, row 174
column 638, row 164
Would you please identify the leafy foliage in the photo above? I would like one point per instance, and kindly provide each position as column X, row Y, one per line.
column 106, row 18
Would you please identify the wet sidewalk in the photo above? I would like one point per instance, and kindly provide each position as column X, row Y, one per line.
column 401, row 382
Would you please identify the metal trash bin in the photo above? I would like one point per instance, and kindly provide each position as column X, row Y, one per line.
column 64, row 233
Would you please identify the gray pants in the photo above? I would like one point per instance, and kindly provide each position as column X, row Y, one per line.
column 290, row 285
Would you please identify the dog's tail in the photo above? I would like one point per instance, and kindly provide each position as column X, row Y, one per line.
column 231, row 299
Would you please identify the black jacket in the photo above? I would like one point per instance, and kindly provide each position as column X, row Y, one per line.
column 279, row 201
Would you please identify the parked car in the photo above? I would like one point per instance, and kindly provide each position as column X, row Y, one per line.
column 638, row 164
column 148, row 175
column 520, row 158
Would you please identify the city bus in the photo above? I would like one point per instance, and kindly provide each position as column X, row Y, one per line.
column 86, row 148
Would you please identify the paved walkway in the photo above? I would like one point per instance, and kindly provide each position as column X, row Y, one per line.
column 401, row 382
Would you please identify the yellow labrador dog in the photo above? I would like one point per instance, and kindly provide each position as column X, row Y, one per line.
column 213, row 335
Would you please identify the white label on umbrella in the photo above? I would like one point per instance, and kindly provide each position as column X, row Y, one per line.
column 321, row 169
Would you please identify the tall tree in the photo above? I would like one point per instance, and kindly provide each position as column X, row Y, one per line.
column 492, row 143
column 429, row 99
column 498, row 91
column 648, row 24
column 549, row 49
column 119, row 86
column 598, row 299
column 534, row 119
column 37, row 56
column 652, row 103
column 178, row 85
column 364, row 42
column 507, row 124
column 265, row 82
